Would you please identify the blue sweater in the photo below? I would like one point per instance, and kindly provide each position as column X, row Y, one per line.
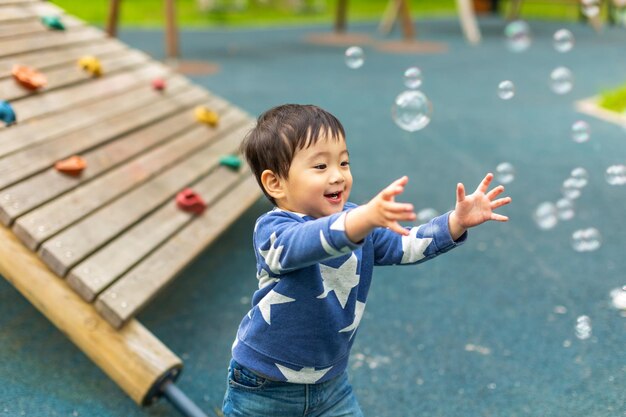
column 313, row 285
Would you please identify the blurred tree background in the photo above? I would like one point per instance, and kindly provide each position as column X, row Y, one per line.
column 258, row 13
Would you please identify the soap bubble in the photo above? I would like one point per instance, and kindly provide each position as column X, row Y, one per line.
column 583, row 327
column 505, row 173
column 355, row 57
column 618, row 298
column 586, row 240
column 412, row 110
column 591, row 8
column 518, row 37
column 565, row 209
column 580, row 175
column 506, row 90
column 425, row 215
column 546, row 215
column 563, row 40
column 616, row 175
column 580, row 131
column 412, row 77
column 561, row 80
column 571, row 188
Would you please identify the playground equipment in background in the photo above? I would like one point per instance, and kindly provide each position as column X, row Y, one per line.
column 91, row 167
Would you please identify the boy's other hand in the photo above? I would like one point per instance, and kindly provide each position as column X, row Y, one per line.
column 476, row 208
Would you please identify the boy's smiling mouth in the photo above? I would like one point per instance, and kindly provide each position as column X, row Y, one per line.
column 334, row 197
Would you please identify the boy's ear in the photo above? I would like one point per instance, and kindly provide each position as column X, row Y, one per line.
column 272, row 184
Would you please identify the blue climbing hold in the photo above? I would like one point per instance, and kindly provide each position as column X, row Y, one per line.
column 7, row 115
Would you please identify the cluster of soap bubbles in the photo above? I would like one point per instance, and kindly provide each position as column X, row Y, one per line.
column 519, row 38
column 411, row 109
column 547, row 215
column 583, row 327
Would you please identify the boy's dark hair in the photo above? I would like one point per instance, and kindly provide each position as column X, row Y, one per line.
column 283, row 130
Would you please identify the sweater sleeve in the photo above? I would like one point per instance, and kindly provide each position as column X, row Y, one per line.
column 285, row 241
column 424, row 242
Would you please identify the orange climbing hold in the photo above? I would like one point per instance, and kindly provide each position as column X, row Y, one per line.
column 207, row 116
column 91, row 64
column 28, row 77
column 73, row 165
column 189, row 200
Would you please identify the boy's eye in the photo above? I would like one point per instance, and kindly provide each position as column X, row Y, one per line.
column 320, row 166
column 345, row 163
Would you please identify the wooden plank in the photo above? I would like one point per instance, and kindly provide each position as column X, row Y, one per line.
column 22, row 27
column 66, row 76
column 20, row 198
column 9, row 11
column 42, row 41
column 133, row 357
column 39, row 225
column 128, row 295
column 12, row 13
column 18, row 2
column 49, row 128
column 61, row 100
column 53, row 57
column 18, row 166
column 72, row 245
column 100, row 270
column 101, row 134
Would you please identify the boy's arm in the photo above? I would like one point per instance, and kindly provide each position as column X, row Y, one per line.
column 383, row 211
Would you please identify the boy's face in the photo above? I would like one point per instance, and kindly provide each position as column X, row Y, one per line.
column 319, row 180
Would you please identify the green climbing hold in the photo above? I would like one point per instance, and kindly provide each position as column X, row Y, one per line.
column 231, row 161
column 53, row 22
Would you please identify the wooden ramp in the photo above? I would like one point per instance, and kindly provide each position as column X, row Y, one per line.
column 91, row 250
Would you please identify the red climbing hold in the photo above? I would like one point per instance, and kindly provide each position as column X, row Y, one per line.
column 158, row 84
column 189, row 200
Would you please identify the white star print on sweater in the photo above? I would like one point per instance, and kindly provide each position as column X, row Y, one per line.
column 313, row 286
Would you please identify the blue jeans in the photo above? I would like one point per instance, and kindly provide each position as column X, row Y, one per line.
column 251, row 395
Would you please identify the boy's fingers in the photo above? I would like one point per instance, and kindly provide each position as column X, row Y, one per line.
column 500, row 202
column 398, row 229
column 401, row 181
column 499, row 217
column 484, row 184
column 392, row 191
column 460, row 192
column 399, row 207
column 495, row 192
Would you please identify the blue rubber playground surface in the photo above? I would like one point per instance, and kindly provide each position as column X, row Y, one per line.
column 488, row 329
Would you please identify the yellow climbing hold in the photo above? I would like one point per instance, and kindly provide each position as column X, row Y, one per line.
column 207, row 116
column 91, row 64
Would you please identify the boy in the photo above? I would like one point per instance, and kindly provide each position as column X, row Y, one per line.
column 315, row 254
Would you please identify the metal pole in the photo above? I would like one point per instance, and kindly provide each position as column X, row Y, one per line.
column 180, row 401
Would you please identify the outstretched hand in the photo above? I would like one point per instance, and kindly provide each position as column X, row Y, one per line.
column 476, row 208
column 385, row 211
column 381, row 211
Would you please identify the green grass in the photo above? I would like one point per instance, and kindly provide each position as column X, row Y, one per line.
column 614, row 100
column 149, row 13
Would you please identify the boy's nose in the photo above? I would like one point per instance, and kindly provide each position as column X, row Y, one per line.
column 336, row 178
